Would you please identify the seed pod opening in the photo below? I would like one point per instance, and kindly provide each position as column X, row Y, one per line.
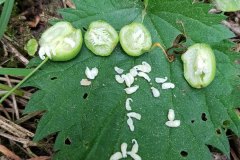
column 61, row 42
column 101, row 38
column 199, row 65
column 135, row 39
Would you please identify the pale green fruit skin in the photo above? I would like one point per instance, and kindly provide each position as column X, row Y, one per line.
column 191, row 57
column 104, row 49
column 54, row 37
column 127, row 41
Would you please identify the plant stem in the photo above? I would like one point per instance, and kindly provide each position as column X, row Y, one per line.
column 20, row 83
column 170, row 58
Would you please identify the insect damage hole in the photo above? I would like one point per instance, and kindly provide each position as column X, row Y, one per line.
column 192, row 121
column 53, row 78
column 184, row 153
column 85, row 95
column 218, row 131
column 204, row 117
column 67, row 141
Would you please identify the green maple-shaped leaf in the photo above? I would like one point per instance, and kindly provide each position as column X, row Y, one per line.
column 91, row 121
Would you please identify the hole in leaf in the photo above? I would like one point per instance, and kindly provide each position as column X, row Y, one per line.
column 85, row 29
column 184, row 153
column 192, row 121
column 67, row 141
column 226, row 123
column 218, row 131
column 85, row 95
column 53, row 78
column 204, row 117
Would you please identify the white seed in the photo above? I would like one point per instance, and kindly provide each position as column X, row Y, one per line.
column 131, row 90
column 85, row 82
column 70, row 41
column 135, row 146
column 133, row 72
column 168, row 85
column 155, row 92
column 144, row 75
column 41, row 53
column 116, row 156
column 134, row 156
column 124, row 150
column 171, row 115
column 130, row 124
column 119, row 79
column 48, row 51
column 134, row 115
column 118, row 70
column 91, row 74
column 128, row 78
column 175, row 123
column 147, row 67
column 161, row 80
column 127, row 104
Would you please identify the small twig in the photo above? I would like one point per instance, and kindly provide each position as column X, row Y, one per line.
column 14, row 128
column 11, row 80
column 15, row 107
column 25, row 142
column 27, row 117
column 30, row 152
column 8, row 153
column 13, row 50
column 5, row 112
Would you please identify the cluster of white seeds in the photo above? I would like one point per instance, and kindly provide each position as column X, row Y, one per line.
column 100, row 36
column 171, row 119
column 124, row 153
column 129, row 78
column 91, row 75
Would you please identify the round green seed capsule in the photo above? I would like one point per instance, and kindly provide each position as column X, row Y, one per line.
column 135, row 39
column 101, row 38
column 199, row 65
column 61, row 42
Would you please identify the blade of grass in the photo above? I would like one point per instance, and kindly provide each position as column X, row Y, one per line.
column 2, row 1
column 15, row 71
column 5, row 15
column 7, row 88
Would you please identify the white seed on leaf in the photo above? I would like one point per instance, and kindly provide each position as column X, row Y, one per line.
column 168, row 85
column 41, row 53
column 116, row 156
column 119, row 79
column 133, row 72
column 130, row 124
column 171, row 115
column 91, row 74
column 127, row 104
column 124, row 150
column 85, row 82
column 135, row 146
column 155, row 92
column 144, row 75
column 131, row 90
column 134, row 115
column 134, row 156
column 48, row 51
column 161, row 80
column 70, row 41
column 147, row 67
column 128, row 78
column 175, row 123
column 118, row 70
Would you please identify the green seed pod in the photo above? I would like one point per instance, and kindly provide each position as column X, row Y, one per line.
column 199, row 65
column 135, row 39
column 101, row 38
column 61, row 42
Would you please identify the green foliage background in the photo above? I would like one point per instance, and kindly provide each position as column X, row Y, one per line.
column 96, row 126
